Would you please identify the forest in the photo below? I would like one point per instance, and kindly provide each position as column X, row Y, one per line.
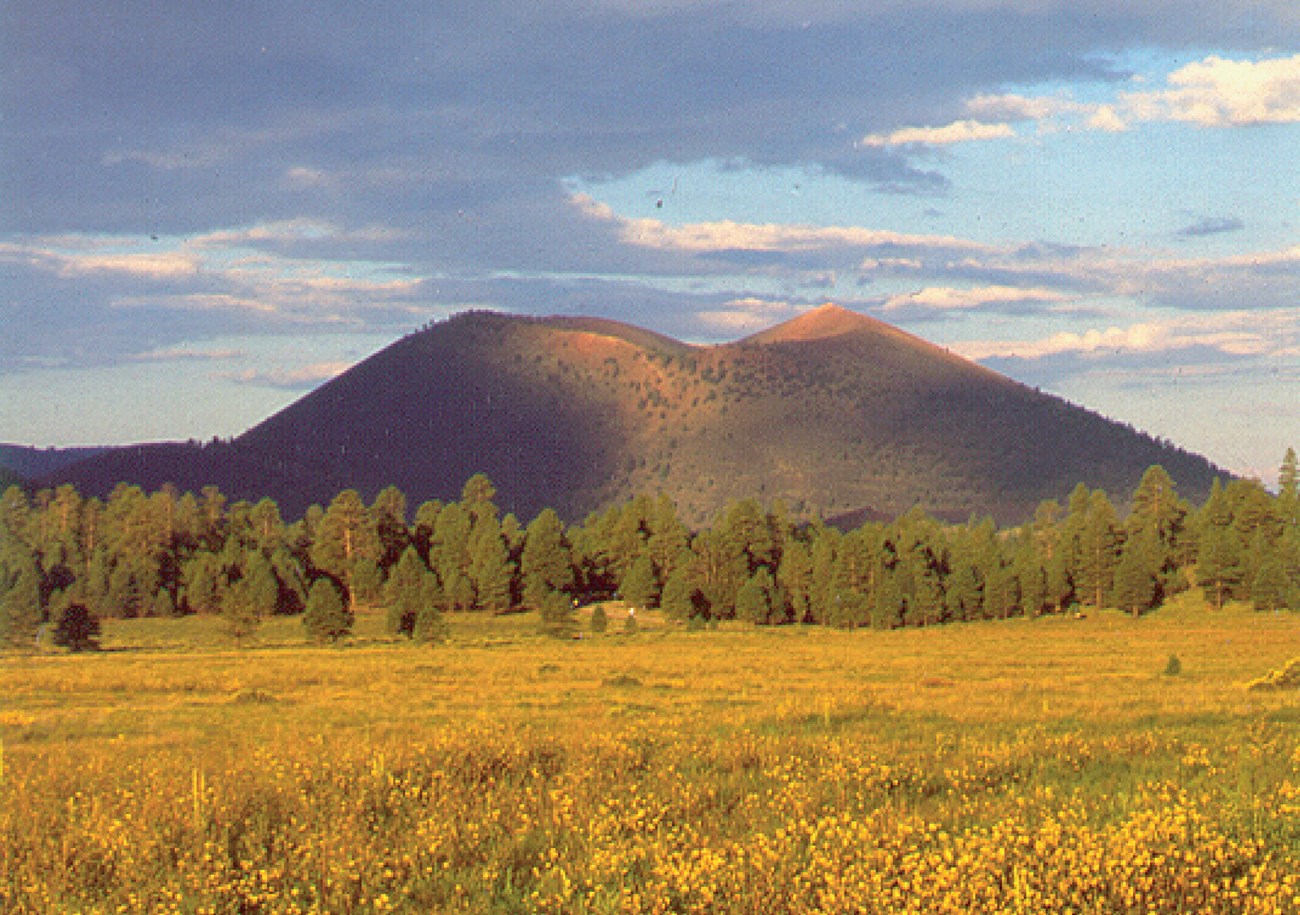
column 67, row 562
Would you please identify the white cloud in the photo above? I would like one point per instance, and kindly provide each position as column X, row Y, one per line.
column 949, row 134
column 1216, row 92
column 726, row 235
column 947, row 298
column 307, row 376
column 747, row 314
column 1237, row 333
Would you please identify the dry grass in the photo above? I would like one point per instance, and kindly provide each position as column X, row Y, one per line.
column 1005, row 767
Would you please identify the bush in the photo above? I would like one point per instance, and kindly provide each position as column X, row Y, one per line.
column 1173, row 667
column 77, row 629
column 1286, row 678
column 599, row 619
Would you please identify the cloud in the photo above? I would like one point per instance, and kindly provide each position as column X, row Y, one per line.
column 1212, row 225
column 1238, row 333
column 728, row 235
column 1216, row 92
column 188, row 354
column 949, row 134
column 938, row 299
column 297, row 379
column 742, row 316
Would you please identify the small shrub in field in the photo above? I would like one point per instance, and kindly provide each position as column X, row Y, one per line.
column 1173, row 667
column 1286, row 678
column 599, row 619
column 77, row 629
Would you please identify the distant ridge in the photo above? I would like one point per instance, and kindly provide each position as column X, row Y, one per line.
column 835, row 413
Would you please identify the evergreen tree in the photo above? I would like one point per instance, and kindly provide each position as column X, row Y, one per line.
column 557, row 615
column 1137, row 573
column 1218, row 566
column 476, row 497
column 240, row 610
column 639, row 587
column 794, row 581
column 679, row 597
column 599, row 619
column 407, row 592
column 1270, row 590
column 21, row 612
column 449, row 547
column 346, row 534
column 490, row 569
column 546, row 564
column 754, row 599
column 204, row 581
column 1288, row 490
column 326, row 619
column 388, row 514
column 1099, row 550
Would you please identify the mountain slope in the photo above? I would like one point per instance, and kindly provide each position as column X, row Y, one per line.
column 834, row 413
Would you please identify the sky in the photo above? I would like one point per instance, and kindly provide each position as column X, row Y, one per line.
column 206, row 209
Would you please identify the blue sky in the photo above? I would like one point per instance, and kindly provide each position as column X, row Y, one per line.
column 208, row 209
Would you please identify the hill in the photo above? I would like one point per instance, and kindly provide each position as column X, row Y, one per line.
column 833, row 413
column 22, row 462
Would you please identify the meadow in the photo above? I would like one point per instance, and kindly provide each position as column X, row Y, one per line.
column 1049, row 765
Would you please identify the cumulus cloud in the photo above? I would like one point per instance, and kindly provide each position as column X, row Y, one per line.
column 1216, row 92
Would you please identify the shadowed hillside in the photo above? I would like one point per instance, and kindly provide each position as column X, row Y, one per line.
column 834, row 413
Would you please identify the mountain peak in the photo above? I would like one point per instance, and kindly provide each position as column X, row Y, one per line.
column 829, row 320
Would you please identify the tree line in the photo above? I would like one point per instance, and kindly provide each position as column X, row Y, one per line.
column 67, row 561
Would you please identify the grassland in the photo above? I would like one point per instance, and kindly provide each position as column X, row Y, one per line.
column 1020, row 766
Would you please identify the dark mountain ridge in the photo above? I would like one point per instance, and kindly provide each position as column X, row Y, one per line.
column 834, row 413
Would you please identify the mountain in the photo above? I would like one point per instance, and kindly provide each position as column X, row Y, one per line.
column 832, row 412
column 22, row 462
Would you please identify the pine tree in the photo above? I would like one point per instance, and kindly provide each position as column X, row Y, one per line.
column 794, row 580
column 346, row 534
column 20, row 604
column 754, row 599
column 546, row 564
column 639, row 587
column 490, row 569
column 326, row 619
column 1098, row 550
column 407, row 592
column 1270, row 589
column 1288, row 492
column 1137, row 573
column 1218, row 566
column 678, row 600
column 240, row 611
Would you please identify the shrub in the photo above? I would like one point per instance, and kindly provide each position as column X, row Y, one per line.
column 1173, row 667
column 1286, row 678
column 599, row 619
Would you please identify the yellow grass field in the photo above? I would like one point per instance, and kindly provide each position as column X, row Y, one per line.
column 1018, row 767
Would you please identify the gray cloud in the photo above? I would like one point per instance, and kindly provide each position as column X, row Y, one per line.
column 435, row 140
column 1211, row 225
